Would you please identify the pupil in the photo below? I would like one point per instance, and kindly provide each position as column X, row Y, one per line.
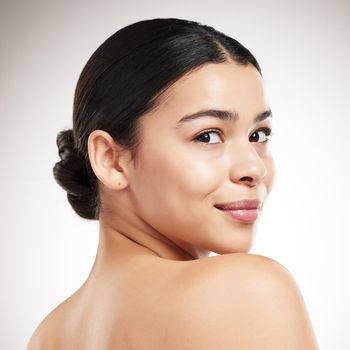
column 205, row 136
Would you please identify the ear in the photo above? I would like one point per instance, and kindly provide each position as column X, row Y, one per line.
column 108, row 159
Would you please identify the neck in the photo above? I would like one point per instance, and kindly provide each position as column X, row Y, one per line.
column 119, row 241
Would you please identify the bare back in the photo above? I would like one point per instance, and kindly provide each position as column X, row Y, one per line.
column 156, row 304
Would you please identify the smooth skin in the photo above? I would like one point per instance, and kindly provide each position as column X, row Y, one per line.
column 153, row 284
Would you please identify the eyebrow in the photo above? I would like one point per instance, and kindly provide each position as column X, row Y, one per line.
column 230, row 116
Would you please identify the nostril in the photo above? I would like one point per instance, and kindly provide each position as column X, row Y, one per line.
column 245, row 178
column 248, row 181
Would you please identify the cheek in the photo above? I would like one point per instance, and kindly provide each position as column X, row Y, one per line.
column 172, row 187
column 182, row 175
column 200, row 177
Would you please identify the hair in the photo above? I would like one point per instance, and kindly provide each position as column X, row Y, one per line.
column 123, row 80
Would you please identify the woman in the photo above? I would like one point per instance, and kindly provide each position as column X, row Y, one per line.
column 169, row 151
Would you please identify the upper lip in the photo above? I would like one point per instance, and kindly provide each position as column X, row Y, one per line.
column 242, row 204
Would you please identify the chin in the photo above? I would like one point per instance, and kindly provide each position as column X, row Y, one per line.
column 239, row 247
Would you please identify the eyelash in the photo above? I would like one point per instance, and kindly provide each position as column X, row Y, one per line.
column 268, row 132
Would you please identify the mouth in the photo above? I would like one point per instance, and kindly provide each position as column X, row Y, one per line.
column 246, row 211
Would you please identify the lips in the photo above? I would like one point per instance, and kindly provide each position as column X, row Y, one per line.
column 245, row 204
column 246, row 211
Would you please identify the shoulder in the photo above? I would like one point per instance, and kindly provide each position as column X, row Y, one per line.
column 243, row 300
column 36, row 341
column 44, row 335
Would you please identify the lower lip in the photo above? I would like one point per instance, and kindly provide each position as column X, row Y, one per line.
column 244, row 215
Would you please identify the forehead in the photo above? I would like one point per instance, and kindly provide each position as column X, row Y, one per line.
column 224, row 85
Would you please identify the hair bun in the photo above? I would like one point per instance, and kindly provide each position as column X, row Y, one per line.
column 65, row 143
column 72, row 175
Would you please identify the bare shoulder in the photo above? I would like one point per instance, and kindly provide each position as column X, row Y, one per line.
column 45, row 335
column 37, row 339
column 242, row 301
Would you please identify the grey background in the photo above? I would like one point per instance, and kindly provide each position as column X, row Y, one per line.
column 47, row 251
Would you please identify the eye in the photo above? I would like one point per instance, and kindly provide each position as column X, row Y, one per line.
column 204, row 136
column 265, row 132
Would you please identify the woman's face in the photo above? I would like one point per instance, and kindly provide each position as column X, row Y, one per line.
column 183, row 169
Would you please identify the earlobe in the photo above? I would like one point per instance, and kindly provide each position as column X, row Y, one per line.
column 107, row 160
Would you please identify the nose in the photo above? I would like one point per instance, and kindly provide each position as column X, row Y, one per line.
column 247, row 167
